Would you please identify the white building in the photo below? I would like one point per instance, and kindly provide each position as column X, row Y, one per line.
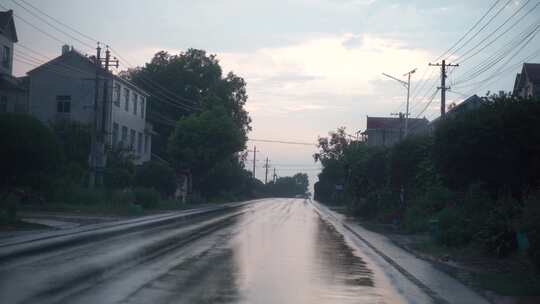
column 65, row 89
column 13, row 97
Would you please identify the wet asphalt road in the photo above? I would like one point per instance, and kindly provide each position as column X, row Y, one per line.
column 272, row 251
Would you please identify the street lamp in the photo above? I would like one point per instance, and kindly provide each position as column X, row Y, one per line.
column 407, row 85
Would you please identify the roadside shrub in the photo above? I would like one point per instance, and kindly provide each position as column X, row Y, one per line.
column 120, row 169
column 454, row 229
column 423, row 208
column 29, row 155
column 147, row 198
column 531, row 221
column 415, row 220
column 498, row 235
column 122, row 198
column 158, row 176
column 77, row 195
column 195, row 198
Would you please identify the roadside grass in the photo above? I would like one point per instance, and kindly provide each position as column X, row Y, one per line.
column 514, row 276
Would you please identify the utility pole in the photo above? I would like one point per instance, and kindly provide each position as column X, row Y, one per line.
column 93, row 148
column 400, row 114
column 99, row 134
column 275, row 176
column 443, row 87
column 254, row 159
column 266, row 172
column 407, row 85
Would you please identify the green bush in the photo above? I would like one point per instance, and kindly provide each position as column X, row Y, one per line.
column 158, row 176
column 77, row 195
column 423, row 208
column 122, row 198
column 498, row 234
column 454, row 229
column 531, row 221
column 415, row 220
column 195, row 198
column 147, row 198
column 29, row 156
column 120, row 170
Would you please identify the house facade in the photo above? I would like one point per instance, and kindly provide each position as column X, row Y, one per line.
column 387, row 131
column 527, row 83
column 13, row 91
column 65, row 89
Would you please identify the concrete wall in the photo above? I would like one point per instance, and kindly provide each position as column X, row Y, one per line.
column 4, row 41
column 47, row 83
column 130, row 119
column 75, row 77
column 382, row 137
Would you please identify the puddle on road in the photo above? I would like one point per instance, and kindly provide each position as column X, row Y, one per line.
column 281, row 252
column 290, row 255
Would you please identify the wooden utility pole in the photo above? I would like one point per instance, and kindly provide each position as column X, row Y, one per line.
column 400, row 115
column 443, row 87
column 99, row 134
column 94, row 142
column 266, row 172
column 254, row 159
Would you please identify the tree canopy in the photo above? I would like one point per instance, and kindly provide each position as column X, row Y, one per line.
column 30, row 152
column 195, row 80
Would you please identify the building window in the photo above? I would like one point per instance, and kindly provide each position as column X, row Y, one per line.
column 115, row 135
column 124, row 136
column 140, row 143
column 116, row 97
column 6, row 56
column 135, row 100
column 63, row 104
column 146, row 142
column 126, row 100
column 142, row 107
column 132, row 139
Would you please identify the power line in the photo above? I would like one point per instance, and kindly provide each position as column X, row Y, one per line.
column 60, row 22
column 494, row 31
column 157, row 93
column 481, row 29
column 498, row 56
column 283, row 142
column 469, row 31
column 498, row 71
column 52, row 25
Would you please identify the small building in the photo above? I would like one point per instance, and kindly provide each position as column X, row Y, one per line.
column 387, row 131
column 65, row 88
column 13, row 92
column 527, row 83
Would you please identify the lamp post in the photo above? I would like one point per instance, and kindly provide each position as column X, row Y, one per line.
column 407, row 85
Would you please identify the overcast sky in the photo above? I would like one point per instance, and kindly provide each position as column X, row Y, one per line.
column 311, row 65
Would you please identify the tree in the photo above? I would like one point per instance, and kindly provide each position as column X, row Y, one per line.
column 157, row 176
column 497, row 144
column 288, row 186
column 194, row 79
column 29, row 155
column 201, row 141
column 75, row 141
column 120, row 170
